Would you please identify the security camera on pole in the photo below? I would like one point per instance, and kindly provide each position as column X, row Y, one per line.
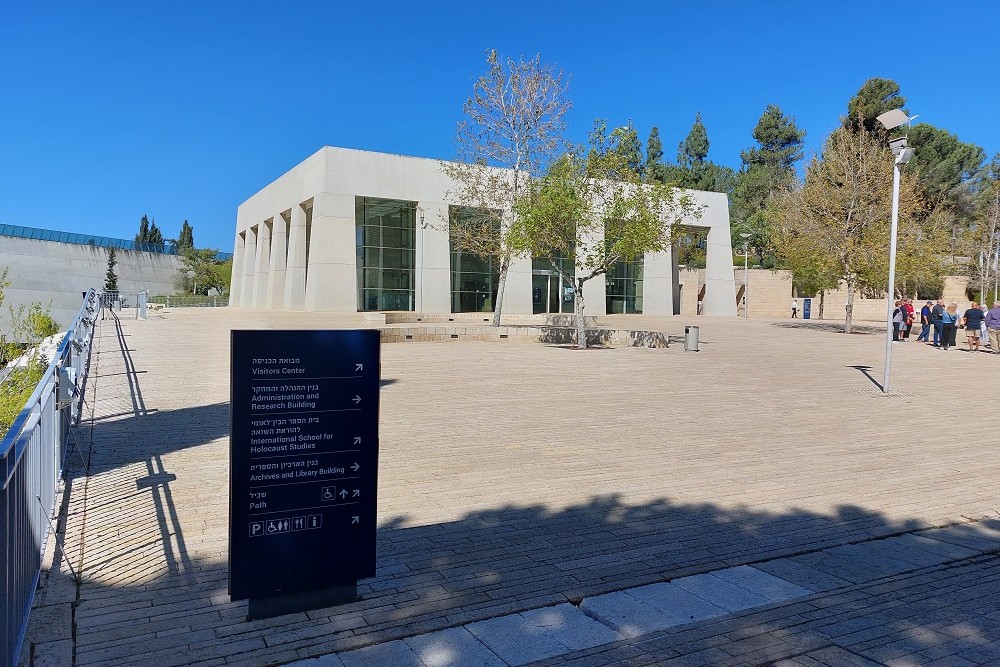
column 891, row 120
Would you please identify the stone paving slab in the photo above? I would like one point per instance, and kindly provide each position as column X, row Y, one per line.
column 512, row 477
column 519, row 639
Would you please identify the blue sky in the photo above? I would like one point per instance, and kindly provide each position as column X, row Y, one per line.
column 182, row 110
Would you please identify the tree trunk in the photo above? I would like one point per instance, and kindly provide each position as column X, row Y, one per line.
column 501, row 282
column 850, row 305
column 581, row 327
column 822, row 295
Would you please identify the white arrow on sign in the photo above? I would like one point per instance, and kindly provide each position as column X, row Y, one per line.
column 343, row 494
column 357, row 492
column 356, row 399
column 357, row 440
column 355, row 467
column 359, row 367
column 355, row 519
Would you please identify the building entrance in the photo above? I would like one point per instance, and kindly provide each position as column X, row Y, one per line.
column 548, row 295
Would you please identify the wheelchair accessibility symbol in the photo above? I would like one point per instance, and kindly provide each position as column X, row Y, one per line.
column 328, row 493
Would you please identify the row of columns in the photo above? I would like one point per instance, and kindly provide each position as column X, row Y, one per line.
column 305, row 259
column 270, row 262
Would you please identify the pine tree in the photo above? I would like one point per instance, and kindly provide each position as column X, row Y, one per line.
column 186, row 239
column 874, row 98
column 111, row 278
column 630, row 148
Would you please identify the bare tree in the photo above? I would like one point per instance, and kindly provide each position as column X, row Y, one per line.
column 513, row 129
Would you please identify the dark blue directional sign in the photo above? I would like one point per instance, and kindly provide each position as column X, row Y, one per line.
column 303, row 460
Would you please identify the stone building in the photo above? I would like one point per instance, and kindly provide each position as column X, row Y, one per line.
column 355, row 231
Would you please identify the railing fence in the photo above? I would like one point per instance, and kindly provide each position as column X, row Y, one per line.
column 31, row 459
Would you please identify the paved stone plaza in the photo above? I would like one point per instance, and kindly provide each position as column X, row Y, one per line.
column 516, row 477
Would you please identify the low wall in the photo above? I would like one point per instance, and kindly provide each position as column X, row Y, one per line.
column 524, row 334
column 59, row 273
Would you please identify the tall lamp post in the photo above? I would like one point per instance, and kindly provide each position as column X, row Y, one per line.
column 746, row 275
column 891, row 120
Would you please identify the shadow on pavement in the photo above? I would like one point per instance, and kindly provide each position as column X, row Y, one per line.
column 830, row 327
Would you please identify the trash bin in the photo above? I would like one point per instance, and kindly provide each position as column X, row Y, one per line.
column 691, row 339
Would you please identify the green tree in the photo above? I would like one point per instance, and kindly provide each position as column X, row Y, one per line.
column 840, row 216
column 155, row 242
column 874, row 98
column 185, row 240
column 595, row 210
column 631, row 148
column 767, row 168
column 142, row 237
column 111, row 278
column 201, row 271
column 694, row 170
column 513, row 129
column 655, row 169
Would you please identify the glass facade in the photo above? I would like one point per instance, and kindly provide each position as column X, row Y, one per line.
column 549, row 293
column 474, row 277
column 623, row 287
column 385, row 238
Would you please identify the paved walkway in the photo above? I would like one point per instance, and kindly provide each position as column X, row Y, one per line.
column 516, row 477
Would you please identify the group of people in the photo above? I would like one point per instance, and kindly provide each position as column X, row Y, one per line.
column 981, row 325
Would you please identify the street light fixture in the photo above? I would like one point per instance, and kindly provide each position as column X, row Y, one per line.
column 746, row 275
column 891, row 120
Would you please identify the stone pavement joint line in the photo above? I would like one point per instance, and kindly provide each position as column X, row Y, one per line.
column 515, row 477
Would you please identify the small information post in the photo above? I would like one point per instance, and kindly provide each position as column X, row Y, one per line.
column 303, row 467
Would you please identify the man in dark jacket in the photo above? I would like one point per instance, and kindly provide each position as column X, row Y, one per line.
column 937, row 315
column 925, row 322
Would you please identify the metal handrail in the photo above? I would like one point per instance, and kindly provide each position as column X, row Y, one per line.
column 31, row 458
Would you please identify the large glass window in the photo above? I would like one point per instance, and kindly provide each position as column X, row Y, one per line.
column 623, row 287
column 474, row 277
column 386, row 248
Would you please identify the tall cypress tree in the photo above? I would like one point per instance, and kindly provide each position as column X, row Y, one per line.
column 155, row 240
column 111, row 278
column 655, row 169
column 142, row 237
column 186, row 239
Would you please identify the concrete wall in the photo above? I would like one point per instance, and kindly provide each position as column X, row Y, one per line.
column 769, row 294
column 57, row 273
column 323, row 189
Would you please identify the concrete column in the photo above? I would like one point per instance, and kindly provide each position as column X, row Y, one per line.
column 332, row 277
column 295, row 267
column 276, row 270
column 263, row 262
column 657, row 284
column 720, row 288
column 595, row 289
column 249, row 265
column 433, row 274
column 236, row 278
column 517, row 293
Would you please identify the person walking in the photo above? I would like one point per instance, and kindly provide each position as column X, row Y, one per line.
column 949, row 326
column 795, row 308
column 993, row 326
column 972, row 318
column 925, row 323
column 937, row 320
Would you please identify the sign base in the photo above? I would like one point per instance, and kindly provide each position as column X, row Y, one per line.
column 291, row 603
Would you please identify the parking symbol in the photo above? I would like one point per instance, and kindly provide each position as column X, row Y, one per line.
column 328, row 493
column 298, row 523
column 256, row 528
